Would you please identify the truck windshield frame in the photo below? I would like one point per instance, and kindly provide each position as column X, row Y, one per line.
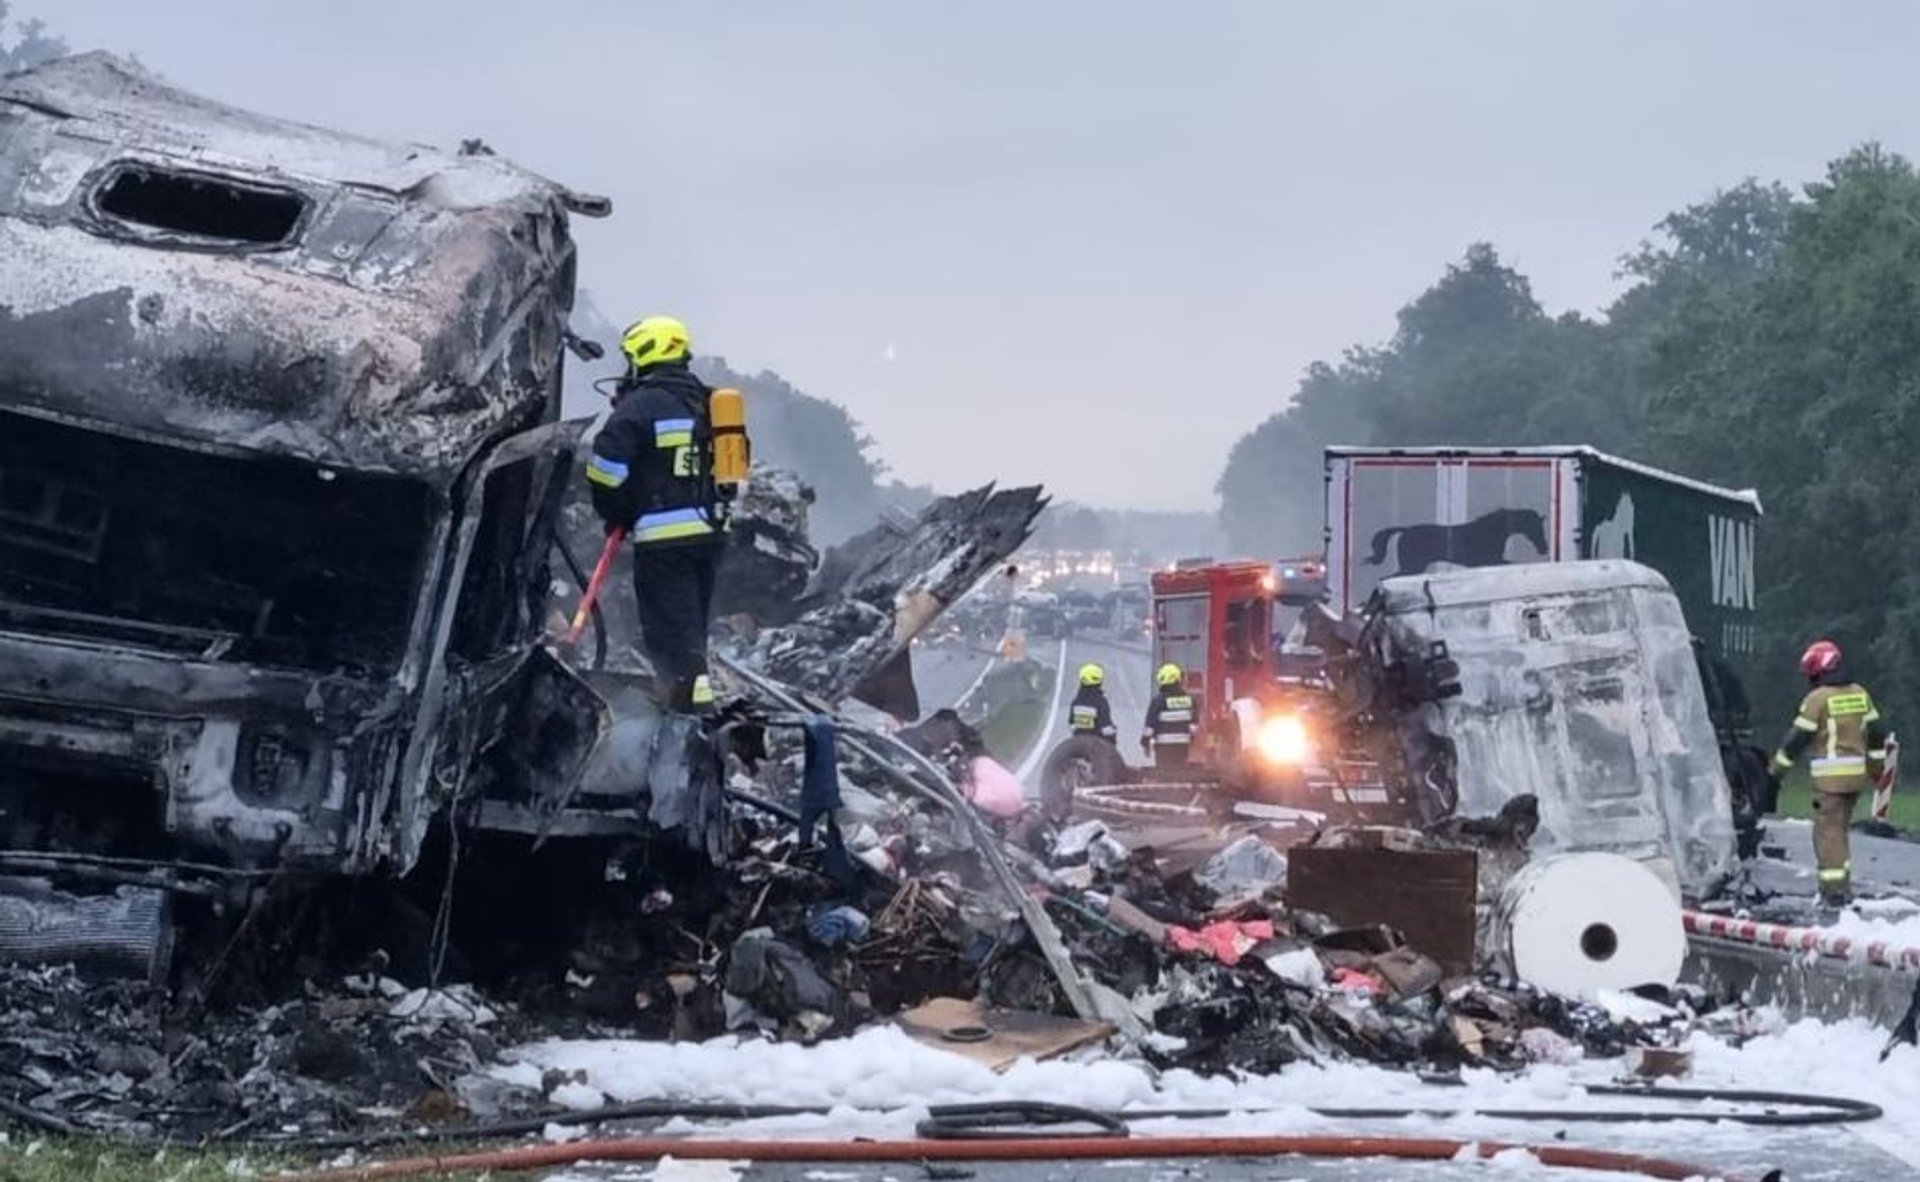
column 185, row 207
column 259, row 559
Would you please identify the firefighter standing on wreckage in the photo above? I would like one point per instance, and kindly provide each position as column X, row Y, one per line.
column 663, row 473
column 1839, row 728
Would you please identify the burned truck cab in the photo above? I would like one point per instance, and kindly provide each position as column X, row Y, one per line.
column 280, row 462
column 1576, row 684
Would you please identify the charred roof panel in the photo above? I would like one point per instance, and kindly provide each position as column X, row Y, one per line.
column 180, row 269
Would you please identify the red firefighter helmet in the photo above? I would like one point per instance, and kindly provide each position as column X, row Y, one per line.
column 1822, row 656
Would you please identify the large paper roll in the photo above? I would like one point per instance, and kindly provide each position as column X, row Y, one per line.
column 1578, row 924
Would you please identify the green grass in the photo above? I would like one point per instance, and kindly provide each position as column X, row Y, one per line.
column 1015, row 698
column 1019, row 679
column 1010, row 730
column 1796, row 800
column 29, row 1158
column 58, row 1159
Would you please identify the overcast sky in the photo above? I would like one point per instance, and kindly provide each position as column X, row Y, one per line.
column 1085, row 243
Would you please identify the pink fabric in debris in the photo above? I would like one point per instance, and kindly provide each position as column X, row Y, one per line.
column 993, row 789
column 1355, row 981
column 1225, row 941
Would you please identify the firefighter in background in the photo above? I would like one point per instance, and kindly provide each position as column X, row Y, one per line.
column 1168, row 730
column 1839, row 728
column 1090, row 713
column 652, row 475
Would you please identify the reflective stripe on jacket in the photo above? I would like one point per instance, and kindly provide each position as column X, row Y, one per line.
column 649, row 466
column 669, row 525
column 1170, row 717
column 1090, row 714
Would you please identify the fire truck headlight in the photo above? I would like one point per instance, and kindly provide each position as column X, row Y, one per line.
column 1284, row 740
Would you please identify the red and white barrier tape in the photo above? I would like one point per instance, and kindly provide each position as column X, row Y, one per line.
column 1901, row 958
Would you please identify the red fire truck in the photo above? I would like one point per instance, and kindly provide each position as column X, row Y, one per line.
column 1266, row 723
column 1225, row 624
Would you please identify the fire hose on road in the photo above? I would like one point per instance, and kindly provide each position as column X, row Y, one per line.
column 1764, row 1111
column 1097, row 1148
column 987, row 1132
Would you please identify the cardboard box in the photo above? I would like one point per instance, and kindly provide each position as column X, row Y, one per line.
column 1426, row 895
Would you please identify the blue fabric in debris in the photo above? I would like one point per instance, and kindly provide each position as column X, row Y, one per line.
column 820, row 782
column 834, row 926
column 820, row 795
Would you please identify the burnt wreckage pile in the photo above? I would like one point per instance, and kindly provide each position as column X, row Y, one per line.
column 842, row 879
column 80, row 1055
column 906, row 912
column 718, row 917
column 898, row 909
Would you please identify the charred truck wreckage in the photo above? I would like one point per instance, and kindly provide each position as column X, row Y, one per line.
column 281, row 450
column 282, row 478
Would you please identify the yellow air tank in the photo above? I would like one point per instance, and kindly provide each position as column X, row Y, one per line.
column 727, row 410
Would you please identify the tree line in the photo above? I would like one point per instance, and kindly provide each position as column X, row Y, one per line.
column 25, row 43
column 1768, row 338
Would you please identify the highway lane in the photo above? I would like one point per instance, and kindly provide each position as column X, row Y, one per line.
column 946, row 673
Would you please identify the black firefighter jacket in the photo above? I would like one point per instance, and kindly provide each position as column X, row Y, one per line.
column 1091, row 715
column 650, row 464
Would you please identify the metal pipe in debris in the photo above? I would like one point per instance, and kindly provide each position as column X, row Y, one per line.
column 937, row 788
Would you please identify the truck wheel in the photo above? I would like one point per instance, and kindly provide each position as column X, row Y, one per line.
column 1752, row 792
column 1079, row 761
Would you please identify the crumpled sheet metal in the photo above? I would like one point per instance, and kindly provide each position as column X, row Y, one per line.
column 841, row 629
column 413, row 314
column 842, row 640
column 874, row 593
column 770, row 558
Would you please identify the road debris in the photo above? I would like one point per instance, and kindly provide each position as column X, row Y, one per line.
column 1192, row 970
column 996, row 1037
column 830, row 874
column 103, row 1057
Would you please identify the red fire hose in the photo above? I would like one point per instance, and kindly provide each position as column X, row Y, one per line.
column 592, row 594
column 533, row 1157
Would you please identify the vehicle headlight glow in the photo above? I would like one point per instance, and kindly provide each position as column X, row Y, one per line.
column 1284, row 739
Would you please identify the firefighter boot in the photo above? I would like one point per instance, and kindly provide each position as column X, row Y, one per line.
column 684, row 695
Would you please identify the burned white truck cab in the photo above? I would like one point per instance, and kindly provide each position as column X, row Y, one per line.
column 280, row 461
column 1577, row 684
